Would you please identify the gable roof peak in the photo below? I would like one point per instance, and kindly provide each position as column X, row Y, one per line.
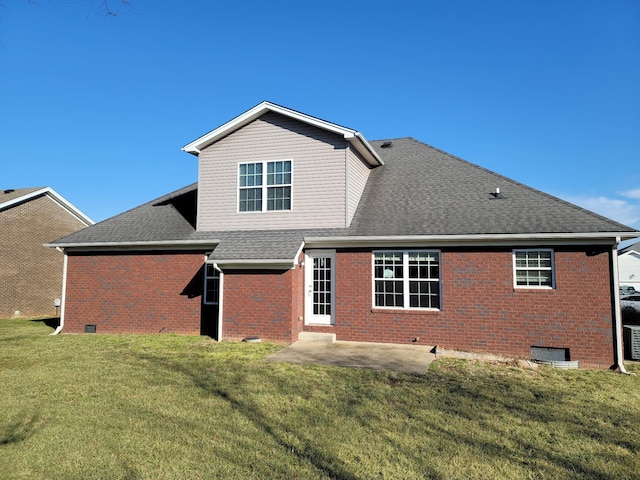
column 355, row 138
column 11, row 197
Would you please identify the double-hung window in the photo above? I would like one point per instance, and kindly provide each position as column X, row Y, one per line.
column 264, row 186
column 211, row 284
column 533, row 268
column 407, row 279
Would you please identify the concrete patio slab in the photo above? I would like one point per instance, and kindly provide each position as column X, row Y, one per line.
column 377, row 356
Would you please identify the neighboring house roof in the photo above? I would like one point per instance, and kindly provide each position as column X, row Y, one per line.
column 11, row 197
column 420, row 195
column 355, row 138
column 635, row 247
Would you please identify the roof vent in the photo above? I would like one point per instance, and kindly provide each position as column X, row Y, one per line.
column 9, row 190
column 386, row 145
column 497, row 193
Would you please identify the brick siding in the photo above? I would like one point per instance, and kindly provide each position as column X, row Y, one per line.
column 31, row 274
column 265, row 304
column 135, row 293
column 483, row 312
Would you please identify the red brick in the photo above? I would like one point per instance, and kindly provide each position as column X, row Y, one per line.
column 134, row 293
column 482, row 311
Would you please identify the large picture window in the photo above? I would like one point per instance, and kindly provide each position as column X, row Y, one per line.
column 407, row 279
column 264, row 186
column 533, row 268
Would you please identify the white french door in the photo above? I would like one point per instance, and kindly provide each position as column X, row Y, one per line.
column 319, row 276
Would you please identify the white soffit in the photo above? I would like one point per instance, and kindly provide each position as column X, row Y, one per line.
column 355, row 138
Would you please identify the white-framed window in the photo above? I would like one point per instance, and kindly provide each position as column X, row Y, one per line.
column 264, row 186
column 533, row 268
column 211, row 284
column 408, row 279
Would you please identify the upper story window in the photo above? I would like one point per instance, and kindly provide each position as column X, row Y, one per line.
column 533, row 268
column 264, row 186
column 407, row 279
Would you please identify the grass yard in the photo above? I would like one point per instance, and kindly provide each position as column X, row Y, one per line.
column 172, row 407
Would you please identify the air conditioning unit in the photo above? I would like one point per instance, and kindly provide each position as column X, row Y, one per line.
column 632, row 342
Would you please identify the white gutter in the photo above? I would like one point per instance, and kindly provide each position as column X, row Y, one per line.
column 604, row 238
column 178, row 244
column 64, row 295
column 617, row 310
column 257, row 263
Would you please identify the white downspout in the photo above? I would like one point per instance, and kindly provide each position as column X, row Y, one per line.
column 617, row 309
column 64, row 295
column 220, row 297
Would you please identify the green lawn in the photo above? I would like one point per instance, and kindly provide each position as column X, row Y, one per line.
column 171, row 407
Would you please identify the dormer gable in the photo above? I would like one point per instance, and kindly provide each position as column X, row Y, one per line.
column 355, row 138
column 275, row 168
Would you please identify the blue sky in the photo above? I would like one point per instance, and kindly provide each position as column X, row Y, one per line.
column 546, row 92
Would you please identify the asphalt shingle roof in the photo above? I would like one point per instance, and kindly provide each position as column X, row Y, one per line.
column 420, row 190
column 633, row 247
column 168, row 218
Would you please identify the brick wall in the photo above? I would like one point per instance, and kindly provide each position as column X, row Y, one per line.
column 153, row 292
column 263, row 304
column 482, row 311
column 31, row 274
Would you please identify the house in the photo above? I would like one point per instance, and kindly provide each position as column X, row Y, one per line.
column 629, row 266
column 30, row 274
column 301, row 226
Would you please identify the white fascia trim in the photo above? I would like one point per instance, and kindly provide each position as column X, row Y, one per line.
column 54, row 196
column 257, row 263
column 364, row 148
column 354, row 137
column 182, row 245
column 482, row 239
column 295, row 259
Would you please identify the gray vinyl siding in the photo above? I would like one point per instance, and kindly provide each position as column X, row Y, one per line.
column 357, row 175
column 318, row 185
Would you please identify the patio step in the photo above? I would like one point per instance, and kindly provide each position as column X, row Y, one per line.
column 316, row 337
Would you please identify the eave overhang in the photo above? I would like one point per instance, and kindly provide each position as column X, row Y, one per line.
column 255, row 264
column 141, row 245
column 603, row 238
column 355, row 138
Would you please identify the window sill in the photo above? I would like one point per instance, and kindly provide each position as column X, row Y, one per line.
column 533, row 289
column 407, row 311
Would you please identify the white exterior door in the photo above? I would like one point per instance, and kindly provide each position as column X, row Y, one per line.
column 319, row 275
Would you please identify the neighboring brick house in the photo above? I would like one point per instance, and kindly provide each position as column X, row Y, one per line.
column 31, row 274
column 301, row 225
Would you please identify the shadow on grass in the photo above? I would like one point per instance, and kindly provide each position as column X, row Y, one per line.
column 281, row 432
column 483, row 401
column 51, row 322
column 526, row 422
column 234, row 385
column 17, row 431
